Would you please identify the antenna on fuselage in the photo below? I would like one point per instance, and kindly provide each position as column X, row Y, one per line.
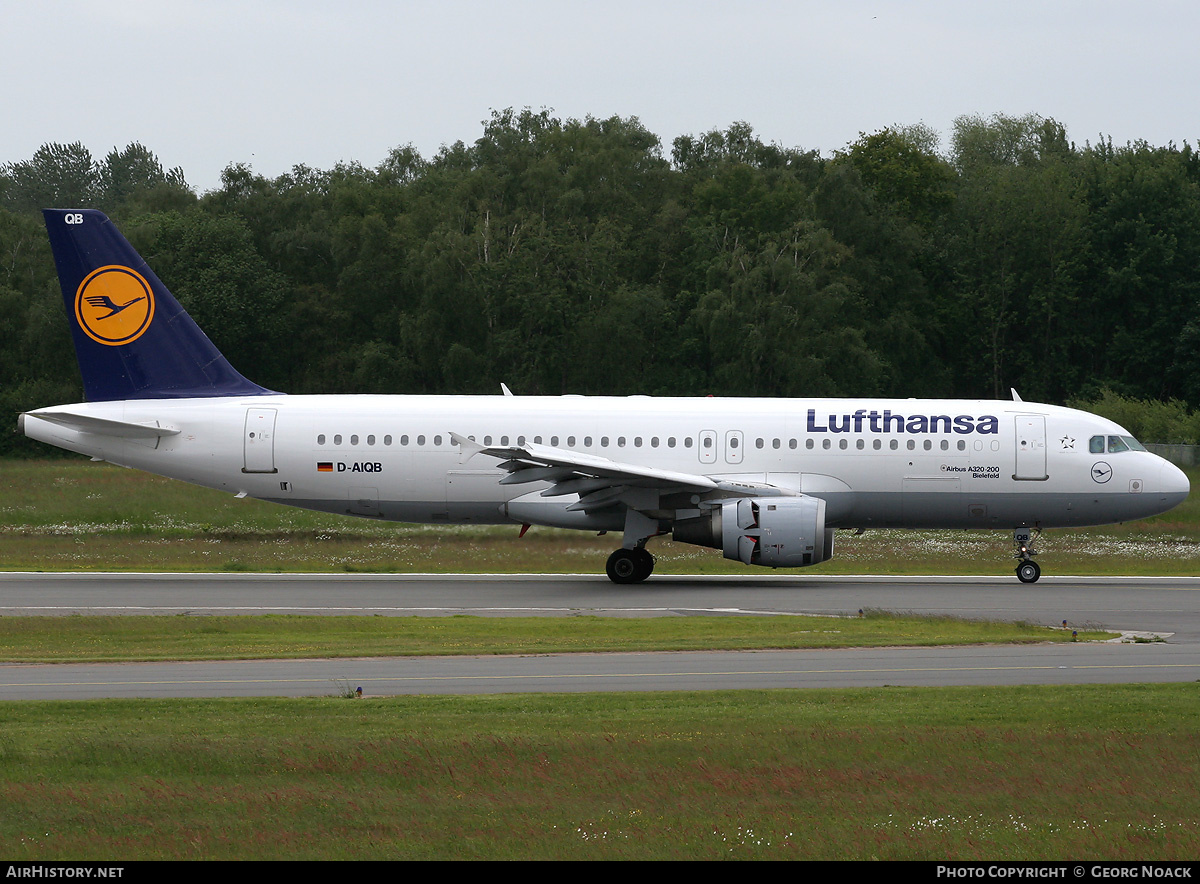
column 1016, row 396
column 504, row 389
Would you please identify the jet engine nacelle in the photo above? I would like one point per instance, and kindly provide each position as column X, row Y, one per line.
column 777, row 532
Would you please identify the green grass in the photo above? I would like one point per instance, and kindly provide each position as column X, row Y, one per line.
column 73, row 515
column 116, row 639
column 897, row 773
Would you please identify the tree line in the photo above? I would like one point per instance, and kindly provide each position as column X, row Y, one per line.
column 582, row 256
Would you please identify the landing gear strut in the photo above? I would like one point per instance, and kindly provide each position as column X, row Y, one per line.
column 1028, row 571
column 630, row 565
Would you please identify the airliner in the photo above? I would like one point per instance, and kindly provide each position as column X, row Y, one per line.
column 766, row 481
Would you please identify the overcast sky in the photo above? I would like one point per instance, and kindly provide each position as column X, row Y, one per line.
column 206, row 83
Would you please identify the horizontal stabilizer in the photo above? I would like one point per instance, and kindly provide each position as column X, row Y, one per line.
column 101, row 425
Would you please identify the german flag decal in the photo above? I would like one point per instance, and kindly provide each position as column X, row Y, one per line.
column 324, row 466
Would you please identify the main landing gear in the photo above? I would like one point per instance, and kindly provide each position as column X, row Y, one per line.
column 630, row 565
column 1028, row 571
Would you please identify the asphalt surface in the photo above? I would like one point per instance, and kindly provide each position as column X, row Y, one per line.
column 1166, row 607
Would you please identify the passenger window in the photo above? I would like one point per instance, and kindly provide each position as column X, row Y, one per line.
column 733, row 442
column 503, row 440
column 437, row 440
column 370, row 440
column 895, row 443
column 945, row 445
column 620, row 441
column 877, row 444
column 808, row 443
column 321, row 439
column 912, row 443
column 637, row 441
column 825, row 443
column 791, row 443
column 1096, row 445
column 774, row 443
column 420, row 440
column 387, row 440
column 337, row 440
column 603, row 441
column 860, row 444
column 487, row 440
column 962, row 445
column 404, row 440
column 687, row 441
column 758, row 443
column 670, row 441
column 653, row 441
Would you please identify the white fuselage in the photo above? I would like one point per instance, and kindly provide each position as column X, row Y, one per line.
column 876, row 463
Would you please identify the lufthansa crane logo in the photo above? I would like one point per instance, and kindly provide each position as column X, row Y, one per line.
column 114, row 305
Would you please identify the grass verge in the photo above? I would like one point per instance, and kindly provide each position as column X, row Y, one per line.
column 1021, row 773
column 80, row 639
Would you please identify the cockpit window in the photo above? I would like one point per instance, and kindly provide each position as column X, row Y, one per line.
column 1116, row 444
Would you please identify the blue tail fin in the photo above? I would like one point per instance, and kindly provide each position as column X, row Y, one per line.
column 132, row 339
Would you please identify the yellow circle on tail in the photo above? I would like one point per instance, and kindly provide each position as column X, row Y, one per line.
column 114, row 305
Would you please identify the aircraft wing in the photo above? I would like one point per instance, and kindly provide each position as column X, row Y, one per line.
column 601, row 482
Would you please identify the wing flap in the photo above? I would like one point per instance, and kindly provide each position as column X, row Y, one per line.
column 598, row 500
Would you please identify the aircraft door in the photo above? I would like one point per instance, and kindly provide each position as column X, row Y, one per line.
column 706, row 446
column 259, row 441
column 733, row 446
column 1031, row 448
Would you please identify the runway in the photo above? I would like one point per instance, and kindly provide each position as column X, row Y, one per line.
column 1166, row 606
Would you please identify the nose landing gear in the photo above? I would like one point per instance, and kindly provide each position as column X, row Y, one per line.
column 1028, row 571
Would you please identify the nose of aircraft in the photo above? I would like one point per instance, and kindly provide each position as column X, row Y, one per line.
column 1173, row 484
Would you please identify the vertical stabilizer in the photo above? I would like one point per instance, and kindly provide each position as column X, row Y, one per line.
column 132, row 339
